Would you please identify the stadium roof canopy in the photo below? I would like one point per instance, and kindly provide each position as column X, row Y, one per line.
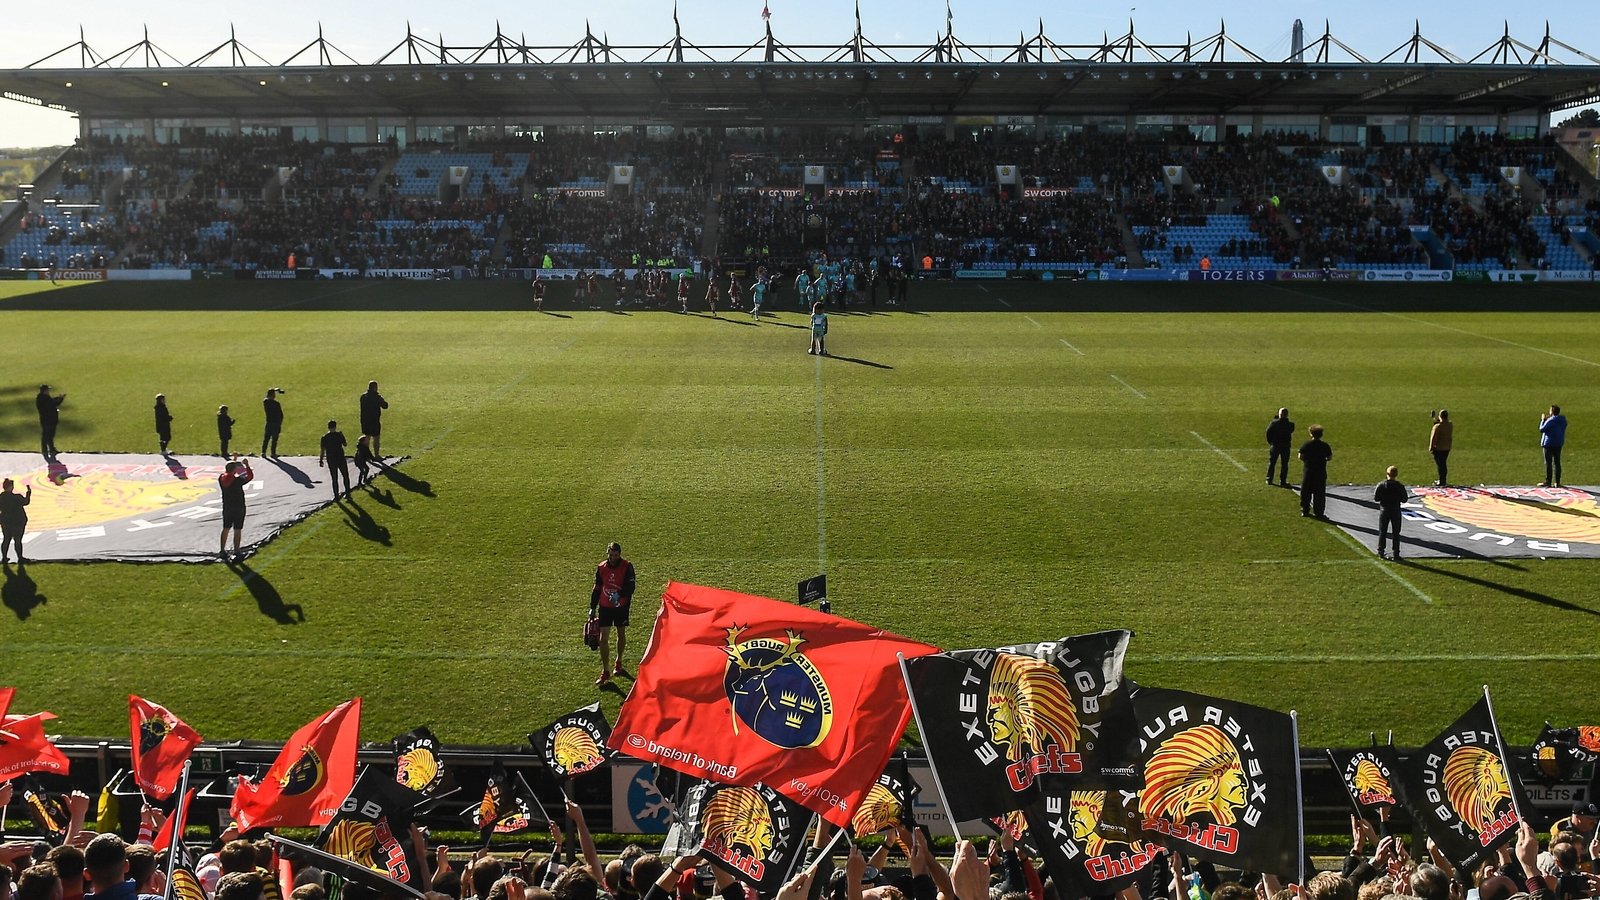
column 770, row 81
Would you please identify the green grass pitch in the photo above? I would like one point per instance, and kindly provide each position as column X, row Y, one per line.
column 1008, row 463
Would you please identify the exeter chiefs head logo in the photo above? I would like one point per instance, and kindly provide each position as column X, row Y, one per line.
column 1195, row 771
column 418, row 769
column 738, row 818
column 185, row 886
column 575, row 750
column 1012, row 823
column 776, row 691
column 306, row 775
column 93, row 498
column 1371, row 786
column 1589, row 738
column 152, row 732
column 352, row 840
column 1029, row 707
column 488, row 809
column 1475, row 782
column 1552, row 514
column 879, row 810
column 1084, row 814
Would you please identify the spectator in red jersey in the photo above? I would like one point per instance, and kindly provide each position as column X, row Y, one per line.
column 609, row 601
column 233, row 480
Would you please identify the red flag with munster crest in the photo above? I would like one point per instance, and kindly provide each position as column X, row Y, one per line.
column 309, row 779
column 161, row 745
column 741, row 689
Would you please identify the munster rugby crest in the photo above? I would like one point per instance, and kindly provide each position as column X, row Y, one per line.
column 776, row 691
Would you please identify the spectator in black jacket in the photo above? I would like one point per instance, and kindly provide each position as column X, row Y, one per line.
column 372, row 407
column 1280, row 431
column 164, row 423
column 332, row 455
column 13, row 518
column 1314, row 454
column 274, row 411
column 224, row 429
column 1390, row 494
column 49, row 417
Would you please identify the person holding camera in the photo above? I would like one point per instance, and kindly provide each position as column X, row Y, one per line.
column 1552, row 437
column 232, row 482
column 614, row 582
column 1439, row 440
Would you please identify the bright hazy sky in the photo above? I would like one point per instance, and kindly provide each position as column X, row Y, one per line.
column 367, row 29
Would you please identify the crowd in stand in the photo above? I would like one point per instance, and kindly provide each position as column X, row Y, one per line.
column 255, row 201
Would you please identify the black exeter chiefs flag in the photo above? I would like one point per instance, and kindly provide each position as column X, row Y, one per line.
column 1065, row 822
column 48, row 811
column 1462, row 791
column 575, row 743
column 995, row 720
column 416, row 761
column 508, row 806
column 754, row 833
column 1371, row 777
column 1220, row 780
column 888, row 803
column 182, row 882
column 1559, row 752
column 371, row 832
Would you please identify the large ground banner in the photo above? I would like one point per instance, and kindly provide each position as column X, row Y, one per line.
column 1487, row 521
column 132, row 507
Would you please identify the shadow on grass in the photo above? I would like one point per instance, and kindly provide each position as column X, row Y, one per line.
column 300, row 478
column 20, row 593
column 362, row 523
column 406, row 482
column 1523, row 593
column 860, row 362
column 732, row 321
column 268, row 600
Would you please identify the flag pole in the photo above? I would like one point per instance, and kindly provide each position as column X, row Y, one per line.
column 1299, row 802
column 917, row 715
column 177, row 827
column 1354, row 806
column 815, row 818
column 1505, row 761
column 534, row 797
column 827, row 849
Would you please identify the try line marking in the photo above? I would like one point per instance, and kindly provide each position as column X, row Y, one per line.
column 1381, row 567
column 1125, row 384
column 1219, row 451
column 1072, row 348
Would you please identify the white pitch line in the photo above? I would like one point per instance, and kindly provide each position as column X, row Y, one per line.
column 1219, row 451
column 516, row 381
column 1381, row 567
column 1072, row 348
column 1035, row 324
column 1130, row 387
column 1587, row 362
column 822, row 491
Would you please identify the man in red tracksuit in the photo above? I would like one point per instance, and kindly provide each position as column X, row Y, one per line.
column 612, row 595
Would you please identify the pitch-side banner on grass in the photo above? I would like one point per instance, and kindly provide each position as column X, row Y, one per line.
column 744, row 689
column 1220, row 780
column 995, row 720
column 1488, row 521
column 1462, row 791
column 131, row 507
column 1371, row 777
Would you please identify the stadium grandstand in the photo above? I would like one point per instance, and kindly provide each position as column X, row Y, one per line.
column 1125, row 158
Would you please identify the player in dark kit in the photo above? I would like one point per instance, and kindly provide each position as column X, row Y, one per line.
column 333, row 444
column 1314, row 454
column 274, row 411
column 49, row 417
column 1279, row 433
column 163, row 423
column 1390, row 494
column 232, row 482
column 372, row 407
column 613, row 594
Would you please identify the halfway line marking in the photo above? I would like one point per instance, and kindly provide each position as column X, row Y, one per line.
column 1219, row 451
column 822, row 491
column 1072, row 348
column 1035, row 324
column 1381, row 567
column 1130, row 387
column 256, row 572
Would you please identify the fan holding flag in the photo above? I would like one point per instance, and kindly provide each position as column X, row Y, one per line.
column 161, row 745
